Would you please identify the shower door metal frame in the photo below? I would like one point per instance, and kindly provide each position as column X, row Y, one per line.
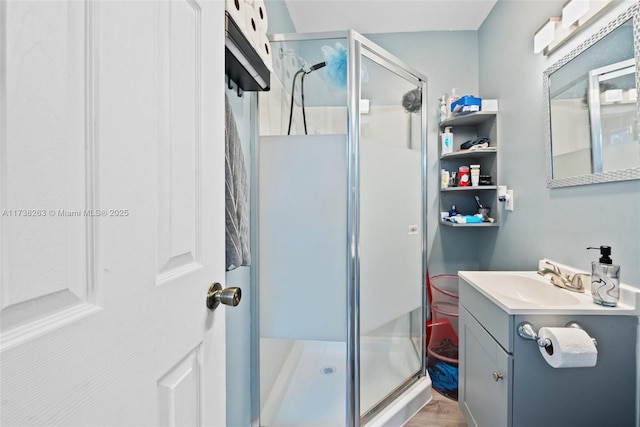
column 358, row 46
column 596, row 76
column 353, row 232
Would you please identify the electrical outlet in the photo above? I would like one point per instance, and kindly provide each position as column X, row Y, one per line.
column 509, row 203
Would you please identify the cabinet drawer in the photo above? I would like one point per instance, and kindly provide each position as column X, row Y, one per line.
column 495, row 320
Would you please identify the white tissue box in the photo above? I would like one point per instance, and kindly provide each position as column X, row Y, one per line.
column 489, row 105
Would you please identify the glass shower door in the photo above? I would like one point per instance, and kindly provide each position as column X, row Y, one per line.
column 391, row 232
column 302, row 233
column 341, row 233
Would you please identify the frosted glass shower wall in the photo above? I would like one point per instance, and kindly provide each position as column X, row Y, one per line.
column 341, row 229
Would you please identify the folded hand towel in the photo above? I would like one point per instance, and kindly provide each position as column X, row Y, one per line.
column 236, row 196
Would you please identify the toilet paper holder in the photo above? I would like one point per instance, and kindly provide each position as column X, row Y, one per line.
column 526, row 331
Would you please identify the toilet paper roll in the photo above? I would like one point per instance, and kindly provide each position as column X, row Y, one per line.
column 570, row 348
column 252, row 31
column 261, row 11
column 265, row 51
column 236, row 9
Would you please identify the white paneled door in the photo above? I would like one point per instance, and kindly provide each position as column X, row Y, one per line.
column 112, row 204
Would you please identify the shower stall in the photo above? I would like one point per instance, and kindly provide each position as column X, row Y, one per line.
column 341, row 231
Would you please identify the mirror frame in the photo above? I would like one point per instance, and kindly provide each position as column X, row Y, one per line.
column 618, row 175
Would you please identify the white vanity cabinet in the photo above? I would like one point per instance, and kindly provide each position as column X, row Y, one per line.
column 504, row 380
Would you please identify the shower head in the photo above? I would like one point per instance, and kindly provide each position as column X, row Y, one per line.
column 412, row 100
column 315, row 67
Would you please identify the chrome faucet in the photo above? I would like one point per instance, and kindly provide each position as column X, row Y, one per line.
column 572, row 283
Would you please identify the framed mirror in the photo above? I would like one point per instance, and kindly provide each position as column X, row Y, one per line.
column 592, row 108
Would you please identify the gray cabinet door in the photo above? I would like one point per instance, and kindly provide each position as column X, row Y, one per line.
column 485, row 387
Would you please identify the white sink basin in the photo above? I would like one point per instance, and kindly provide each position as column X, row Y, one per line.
column 526, row 292
column 529, row 290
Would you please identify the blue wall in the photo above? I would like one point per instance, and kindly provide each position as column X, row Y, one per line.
column 546, row 223
column 553, row 223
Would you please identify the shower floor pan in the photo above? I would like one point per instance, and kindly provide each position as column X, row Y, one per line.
column 310, row 390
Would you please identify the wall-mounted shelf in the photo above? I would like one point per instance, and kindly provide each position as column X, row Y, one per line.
column 243, row 64
column 466, row 127
column 470, row 119
column 474, row 225
column 470, row 154
column 470, row 188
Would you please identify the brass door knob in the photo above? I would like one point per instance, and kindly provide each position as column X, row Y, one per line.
column 217, row 295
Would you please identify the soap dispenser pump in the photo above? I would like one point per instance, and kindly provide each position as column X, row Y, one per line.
column 605, row 279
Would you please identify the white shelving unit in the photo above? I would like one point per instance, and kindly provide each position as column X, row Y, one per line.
column 465, row 128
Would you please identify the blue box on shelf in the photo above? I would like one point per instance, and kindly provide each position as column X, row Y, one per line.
column 466, row 104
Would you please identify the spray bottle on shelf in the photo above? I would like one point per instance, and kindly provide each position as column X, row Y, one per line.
column 447, row 140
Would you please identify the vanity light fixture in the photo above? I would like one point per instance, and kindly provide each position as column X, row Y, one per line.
column 576, row 16
column 574, row 10
column 545, row 35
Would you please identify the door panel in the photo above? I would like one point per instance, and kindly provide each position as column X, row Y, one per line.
column 48, row 245
column 180, row 86
column 180, row 393
column 116, row 107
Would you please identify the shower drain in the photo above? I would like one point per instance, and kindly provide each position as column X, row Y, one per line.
column 328, row 370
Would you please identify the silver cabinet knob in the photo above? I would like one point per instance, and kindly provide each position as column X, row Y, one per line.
column 497, row 376
column 217, row 295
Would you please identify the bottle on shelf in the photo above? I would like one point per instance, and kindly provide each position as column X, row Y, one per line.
column 445, row 178
column 447, row 140
column 453, row 98
column 442, row 109
column 463, row 176
column 475, row 175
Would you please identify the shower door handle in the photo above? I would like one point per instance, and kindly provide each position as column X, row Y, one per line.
column 217, row 295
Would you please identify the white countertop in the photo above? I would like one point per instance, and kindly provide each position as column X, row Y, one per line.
column 525, row 292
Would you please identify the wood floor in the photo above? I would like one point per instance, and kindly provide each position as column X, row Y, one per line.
column 440, row 412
